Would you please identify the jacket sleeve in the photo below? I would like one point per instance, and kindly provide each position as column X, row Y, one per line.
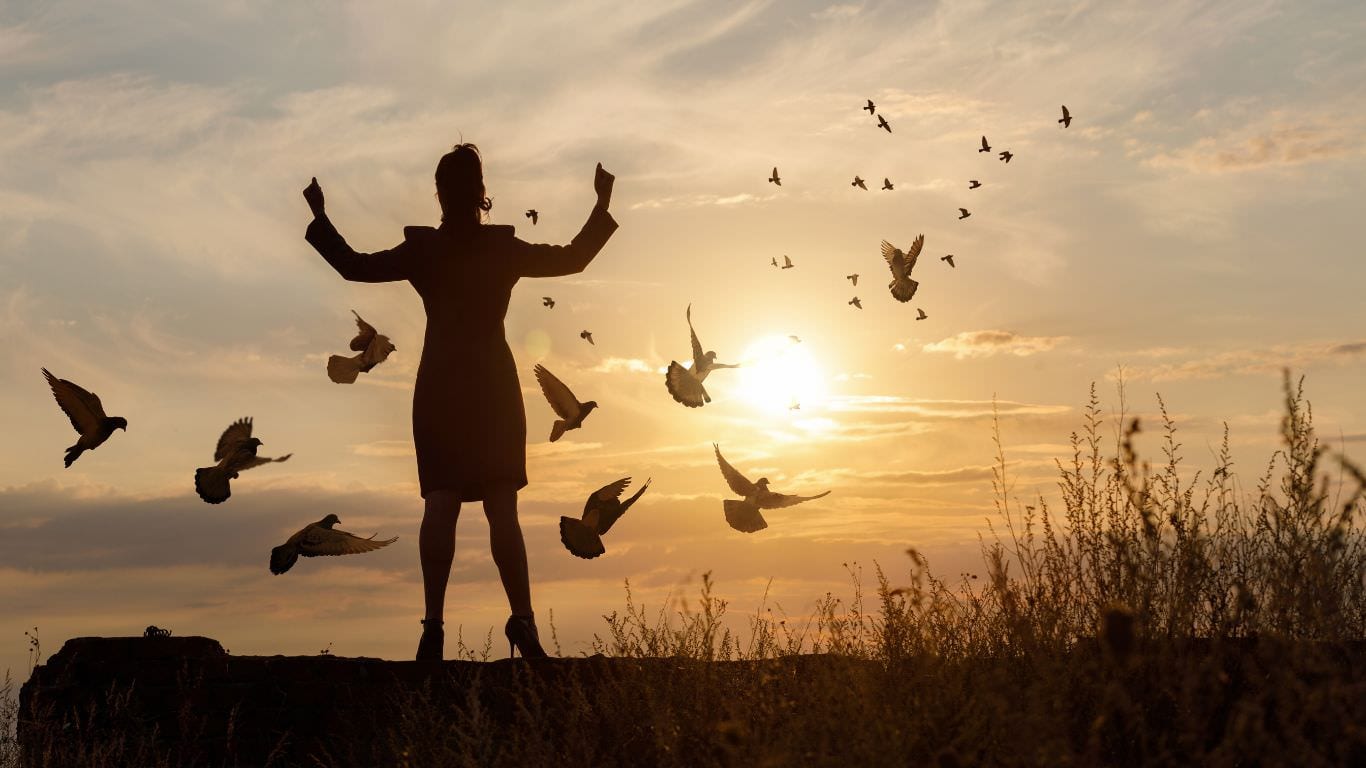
column 378, row 267
column 534, row 260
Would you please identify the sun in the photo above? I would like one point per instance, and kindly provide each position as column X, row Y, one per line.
column 778, row 373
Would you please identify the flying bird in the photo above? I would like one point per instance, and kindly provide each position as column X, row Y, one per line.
column 882, row 123
column 794, row 405
column 886, row 183
column 743, row 514
column 563, row 403
column 372, row 347
column 920, row 314
column 787, row 262
column 775, row 261
column 974, row 183
column 1066, row 118
column 854, row 302
column 985, row 146
column 949, row 259
column 546, row 301
column 583, row 537
column 871, row 107
column 86, row 414
column 587, row 336
column 318, row 539
column 857, row 182
column 533, row 215
column 795, row 340
column 852, row 278
column 235, row 453
column 963, row 213
column 685, row 384
column 901, row 263
column 774, row 178
column 1006, row 155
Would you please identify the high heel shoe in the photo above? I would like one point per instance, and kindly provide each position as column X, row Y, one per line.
column 522, row 635
column 431, row 646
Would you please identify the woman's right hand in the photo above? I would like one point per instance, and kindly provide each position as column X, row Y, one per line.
column 314, row 195
column 602, row 183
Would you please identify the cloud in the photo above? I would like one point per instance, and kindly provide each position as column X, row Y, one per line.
column 1242, row 362
column 627, row 364
column 987, row 343
column 839, row 11
column 1277, row 146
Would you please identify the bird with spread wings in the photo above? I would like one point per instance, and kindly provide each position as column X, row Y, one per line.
column 685, row 384
column 373, row 348
column 86, row 413
column 321, row 539
column 235, row 453
column 901, row 263
column 563, row 403
column 583, row 537
column 743, row 514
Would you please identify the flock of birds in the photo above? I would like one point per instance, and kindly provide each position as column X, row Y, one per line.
column 236, row 450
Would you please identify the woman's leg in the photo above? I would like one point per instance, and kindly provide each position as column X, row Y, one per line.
column 436, row 548
column 508, row 548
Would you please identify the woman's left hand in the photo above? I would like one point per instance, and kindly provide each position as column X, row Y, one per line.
column 602, row 183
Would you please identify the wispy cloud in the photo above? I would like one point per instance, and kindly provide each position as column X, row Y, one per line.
column 1268, row 147
column 1250, row 361
column 987, row 343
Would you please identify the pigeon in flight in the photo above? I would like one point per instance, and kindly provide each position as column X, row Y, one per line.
column 743, row 515
column 857, row 182
column 854, row 302
column 774, row 178
column 852, row 278
column 882, row 123
column 963, row 213
column 547, row 302
column 587, row 336
column 871, row 107
column 321, row 538
column 1006, row 155
column 794, row 405
column 886, row 183
column 563, row 403
column 1066, row 119
column 787, row 262
column 86, row 414
column 920, row 314
column 795, row 340
column 775, row 261
column 685, row 384
column 949, row 259
column 901, row 263
column 974, row 183
column 985, row 146
column 235, row 453
column 583, row 537
column 533, row 215
column 373, row 349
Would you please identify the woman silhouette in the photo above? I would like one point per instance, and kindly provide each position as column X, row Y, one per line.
column 469, row 425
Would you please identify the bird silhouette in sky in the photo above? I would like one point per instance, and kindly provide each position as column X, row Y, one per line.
column 86, row 413
column 533, row 215
column 794, row 405
column 547, row 302
column 1006, row 155
column 1066, row 119
column 685, row 384
column 901, row 263
column 774, row 178
column 787, row 262
column 985, row 146
column 857, row 182
column 852, row 278
column 587, row 336
column 743, row 514
column 235, row 453
column 963, row 213
column 795, row 340
column 886, row 183
column 920, row 314
column 949, row 259
column 775, row 261
column 321, row 539
column 883, row 124
column 563, row 403
column 871, row 107
column 974, row 183
column 583, row 537
column 372, row 348
column 854, row 302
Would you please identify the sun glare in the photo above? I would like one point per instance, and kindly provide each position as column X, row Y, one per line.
column 779, row 375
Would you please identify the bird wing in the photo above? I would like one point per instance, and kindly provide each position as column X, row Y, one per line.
column 684, row 386
column 259, row 460
column 781, row 500
column 1065, row 113
column 236, row 432
column 604, row 500
column 889, row 252
column 787, row 261
column 363, row 336
column 377, row 352
column 914, row 253
column 698, row 356
column 607, row 517
column 985, row 145
column 83, row 408
column 318, row 540
column 561, row 400
column 734, row 479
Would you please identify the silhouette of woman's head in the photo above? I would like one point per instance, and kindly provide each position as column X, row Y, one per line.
column 460, row 186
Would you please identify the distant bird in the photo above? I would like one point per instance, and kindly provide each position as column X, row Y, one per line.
column 901, row 263
column 1006, row 155
column 787, row 262
column 587, row 336
column 858, row 183
column 1066, row 118
column 949, row 259
column 774, row 178
column 86, row 414
column 318, row 539
column 974, row 183
column 583, row 537
column 795, row 340
column 743, row 514
column 685, row 384
column 775, row 261
column 852, row 278
column 963, row 213
column 373, row 348
column 548, row 302
column 871, row 107
column 794, row 405
column 235, row 453
column 854, row 302
column 533, row 215
column 882, row 123
column 920, row 314
column 563, row 403
column 985, row 146
column 886, row 183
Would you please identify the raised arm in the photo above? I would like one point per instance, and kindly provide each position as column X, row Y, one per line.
column 379, row 267
column 554, row 260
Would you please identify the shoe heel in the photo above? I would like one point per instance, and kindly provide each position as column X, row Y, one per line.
column 512, row 650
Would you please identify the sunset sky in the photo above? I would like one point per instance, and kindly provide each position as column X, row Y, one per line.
column 1199, row 224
